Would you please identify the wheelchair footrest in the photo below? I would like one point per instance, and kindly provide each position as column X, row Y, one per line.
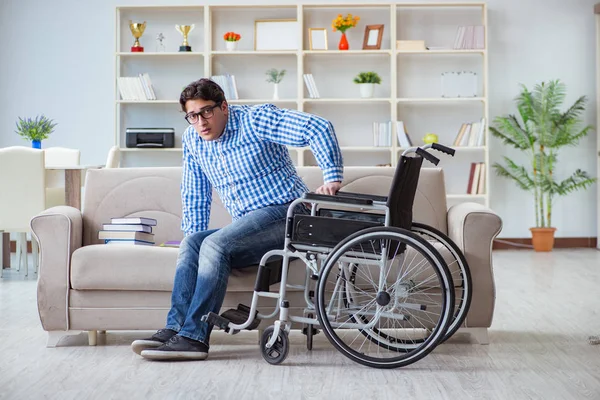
column 241, row 315
column 215, row 319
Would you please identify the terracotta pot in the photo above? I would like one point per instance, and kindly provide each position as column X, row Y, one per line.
column 542, row 238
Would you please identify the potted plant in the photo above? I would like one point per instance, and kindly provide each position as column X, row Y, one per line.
column 343, row 24
column 274, row 76
column 35, row 130
column 366, row 82
column 542, row 131
column 231, row 39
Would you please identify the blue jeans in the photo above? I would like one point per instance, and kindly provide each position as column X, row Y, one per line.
column 206, row 259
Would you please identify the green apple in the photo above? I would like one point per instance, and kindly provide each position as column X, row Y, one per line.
column 430, row 138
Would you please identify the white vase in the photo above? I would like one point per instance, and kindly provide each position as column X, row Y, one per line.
column 276, row 91
column 366, row 90
column 231, row 46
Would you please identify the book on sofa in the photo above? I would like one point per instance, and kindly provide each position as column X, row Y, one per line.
column 130, row 230
column 127, row 228
column 171, row 243
column 123, row 235
column 133, row 220
column 128, row 242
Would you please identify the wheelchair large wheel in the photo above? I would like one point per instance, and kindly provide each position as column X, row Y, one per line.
column 384, row 297
column 459, row 270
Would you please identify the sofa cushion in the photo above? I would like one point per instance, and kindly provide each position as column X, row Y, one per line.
column 126, row 267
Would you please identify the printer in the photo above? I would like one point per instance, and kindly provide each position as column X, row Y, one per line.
column 150, row 137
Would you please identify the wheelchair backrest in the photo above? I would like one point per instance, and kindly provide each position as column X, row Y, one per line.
column 403, row 190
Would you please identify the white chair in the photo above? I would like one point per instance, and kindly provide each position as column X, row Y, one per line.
column 114, row 157
column 23, row 195
column 55, row 179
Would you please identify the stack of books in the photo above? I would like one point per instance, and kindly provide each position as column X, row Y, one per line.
column 132, row 231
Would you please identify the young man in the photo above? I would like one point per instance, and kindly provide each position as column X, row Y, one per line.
column 240, row 151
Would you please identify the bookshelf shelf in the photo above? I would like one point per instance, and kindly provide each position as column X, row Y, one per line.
column 254, row 53
column 261, row 101
column 466, row 196
column 410, row 79
column 160, row 54
column 349, row 100
column 442, row 100
column 347, row 52
column 445, row 51
column 135, row 149
column 147, row 101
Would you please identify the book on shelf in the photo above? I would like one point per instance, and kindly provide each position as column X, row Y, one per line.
column 126, row 235
column 403, row 137
column 470, row 37
column 471, row 134
column 309, row 81
column 136, row 87
column 228, row 84
column 476, row 183
column 382, row 134
column 134, row 220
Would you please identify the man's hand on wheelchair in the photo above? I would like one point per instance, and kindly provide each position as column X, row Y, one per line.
column 330, row 188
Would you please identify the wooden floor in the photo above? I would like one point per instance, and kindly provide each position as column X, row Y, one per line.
column 547, row 306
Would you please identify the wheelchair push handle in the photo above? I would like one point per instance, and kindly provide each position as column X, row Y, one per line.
column 439, row 147
column 443, row 149
column 428, row 156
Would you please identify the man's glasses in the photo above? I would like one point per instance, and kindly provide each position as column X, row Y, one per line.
column 206, row 113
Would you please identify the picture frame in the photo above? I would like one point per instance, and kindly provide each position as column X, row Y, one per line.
column 317, row 38
column 373, row 36
column 276, row 34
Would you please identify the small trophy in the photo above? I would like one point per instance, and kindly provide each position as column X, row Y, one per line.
column 137, row 30
column 185, row 30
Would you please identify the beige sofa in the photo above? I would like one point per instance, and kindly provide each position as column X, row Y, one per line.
column 88, row 286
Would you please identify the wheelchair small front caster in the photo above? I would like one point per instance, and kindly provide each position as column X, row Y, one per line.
column 279, row 351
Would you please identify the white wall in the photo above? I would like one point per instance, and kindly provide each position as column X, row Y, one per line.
column 57, row 58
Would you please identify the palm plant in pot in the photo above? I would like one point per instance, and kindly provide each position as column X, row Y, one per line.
column 541, row 132
column 35, row 130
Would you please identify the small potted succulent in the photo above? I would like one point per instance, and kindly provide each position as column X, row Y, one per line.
column 366, row 82
column 231, row 39
column 35, row 130
column 274, row 76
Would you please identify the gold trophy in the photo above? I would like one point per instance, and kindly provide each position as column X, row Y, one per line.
column 137, row 30
column 185, row 31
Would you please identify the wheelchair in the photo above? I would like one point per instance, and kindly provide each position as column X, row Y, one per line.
column 384, row 290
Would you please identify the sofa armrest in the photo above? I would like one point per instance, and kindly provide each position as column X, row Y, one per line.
column 59, row 232
column 473, row 228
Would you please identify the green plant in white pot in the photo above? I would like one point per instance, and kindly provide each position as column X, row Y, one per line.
column 35, row 130
column 275, row 77
column 366, row 82
column 542, row 131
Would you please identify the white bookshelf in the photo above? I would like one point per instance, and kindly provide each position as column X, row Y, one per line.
column 409, row 90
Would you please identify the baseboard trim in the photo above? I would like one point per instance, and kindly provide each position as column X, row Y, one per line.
column 559, row 243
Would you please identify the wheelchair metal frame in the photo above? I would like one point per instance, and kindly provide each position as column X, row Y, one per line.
column 313, row 257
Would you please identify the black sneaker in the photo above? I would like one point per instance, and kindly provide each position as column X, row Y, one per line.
column 158, row 339
column 178, row 348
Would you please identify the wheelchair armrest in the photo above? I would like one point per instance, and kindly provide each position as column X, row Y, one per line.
column 362, row 196
column 338, row 199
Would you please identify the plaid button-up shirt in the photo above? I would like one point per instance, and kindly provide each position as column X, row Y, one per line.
column 249, row 166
